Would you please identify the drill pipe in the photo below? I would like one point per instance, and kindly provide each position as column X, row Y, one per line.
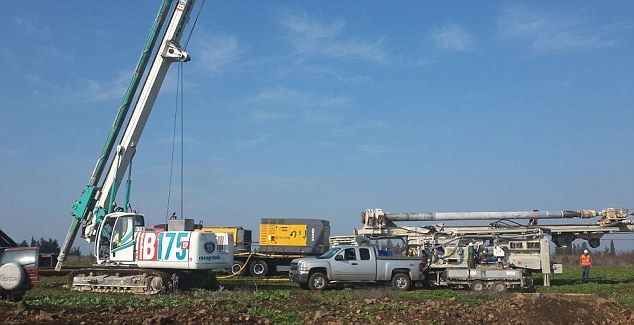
column 433, row 216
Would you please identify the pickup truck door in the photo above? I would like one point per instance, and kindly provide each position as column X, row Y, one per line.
column 348, row 266
column 367, row 264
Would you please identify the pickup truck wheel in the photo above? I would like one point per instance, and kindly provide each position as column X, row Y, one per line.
column 477, row 286
column 317, row 281
column 237, row 269
column 259, row 268
column 401, row 281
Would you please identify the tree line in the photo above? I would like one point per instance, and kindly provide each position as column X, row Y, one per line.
column 577, row 249
column 48, row 246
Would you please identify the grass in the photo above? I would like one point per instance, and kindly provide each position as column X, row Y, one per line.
column 276, row 316
column 51, row 293
column 614, row 282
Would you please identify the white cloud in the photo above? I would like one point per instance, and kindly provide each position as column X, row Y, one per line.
column 263, row 115
column 219, row 51
column 253, row 142
column 309, row 36
column 302, row 98
column 92, row 91
column 27, row 26
column 321, row 117
column 548, row 32
column 52, row 52
column 451, row 37
column 374, row 149
column 364, row 126
column 282, row 94
column 326, row 73
column 311, row 108
column 33, row 77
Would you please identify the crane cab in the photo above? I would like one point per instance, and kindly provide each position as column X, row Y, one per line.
column 124, row 240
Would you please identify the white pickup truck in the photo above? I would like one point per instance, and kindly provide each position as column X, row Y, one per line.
column 352, row 263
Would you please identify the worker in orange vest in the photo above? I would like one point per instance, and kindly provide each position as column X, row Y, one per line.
column 585, row 263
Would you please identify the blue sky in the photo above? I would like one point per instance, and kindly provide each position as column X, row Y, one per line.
column 321, row 109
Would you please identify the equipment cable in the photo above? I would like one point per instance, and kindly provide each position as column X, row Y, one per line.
column 194, row 25
column 180, row 100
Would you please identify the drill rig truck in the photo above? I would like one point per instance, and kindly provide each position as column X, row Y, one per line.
column 133, row 257
column 499, row 256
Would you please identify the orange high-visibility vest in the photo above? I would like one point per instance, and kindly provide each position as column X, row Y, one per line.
column 585, row 260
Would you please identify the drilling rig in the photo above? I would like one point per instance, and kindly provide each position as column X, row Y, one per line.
column 497, row 256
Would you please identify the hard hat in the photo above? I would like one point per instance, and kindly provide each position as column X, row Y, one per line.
column 585, row 251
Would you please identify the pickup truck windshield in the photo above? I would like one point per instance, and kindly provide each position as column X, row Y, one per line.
column 329, row 253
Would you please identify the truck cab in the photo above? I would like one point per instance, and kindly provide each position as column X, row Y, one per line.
column 355, row 263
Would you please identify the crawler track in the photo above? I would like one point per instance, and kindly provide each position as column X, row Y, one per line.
column 137, row 281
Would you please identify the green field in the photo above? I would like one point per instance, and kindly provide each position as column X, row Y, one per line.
column 616, row 283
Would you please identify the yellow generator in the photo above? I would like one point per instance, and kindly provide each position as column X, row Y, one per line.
column 281, row 240
column 297, row 236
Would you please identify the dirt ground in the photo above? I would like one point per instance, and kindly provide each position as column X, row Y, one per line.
column 516, row 308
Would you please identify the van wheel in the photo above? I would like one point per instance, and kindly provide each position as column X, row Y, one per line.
column 259, row 268
column 317, row 282
column 401, row 281
column 477, row 286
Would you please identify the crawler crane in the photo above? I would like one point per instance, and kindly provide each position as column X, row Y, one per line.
column 132, row 257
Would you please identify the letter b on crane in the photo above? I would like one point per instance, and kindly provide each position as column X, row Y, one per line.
column 148, row 252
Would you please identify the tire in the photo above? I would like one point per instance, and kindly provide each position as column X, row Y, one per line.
column 317, row 282
column 477, row 286
column 16, row 296
column 498, row 287
column 236, row 268
column 401, row 281
column 259, row 268
column 155, row 284
column 529, row 284
column 11, row 276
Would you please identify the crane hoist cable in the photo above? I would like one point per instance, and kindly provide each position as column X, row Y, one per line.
column 180, row 100
column 194, row 24
column 179, row 103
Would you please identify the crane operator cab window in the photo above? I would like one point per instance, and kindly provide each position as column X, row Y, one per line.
column 123, row 233
column 121, row 230
column 105, row 236
column 116, row 232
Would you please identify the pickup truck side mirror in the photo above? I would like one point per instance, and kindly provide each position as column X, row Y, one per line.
column 339, row 258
